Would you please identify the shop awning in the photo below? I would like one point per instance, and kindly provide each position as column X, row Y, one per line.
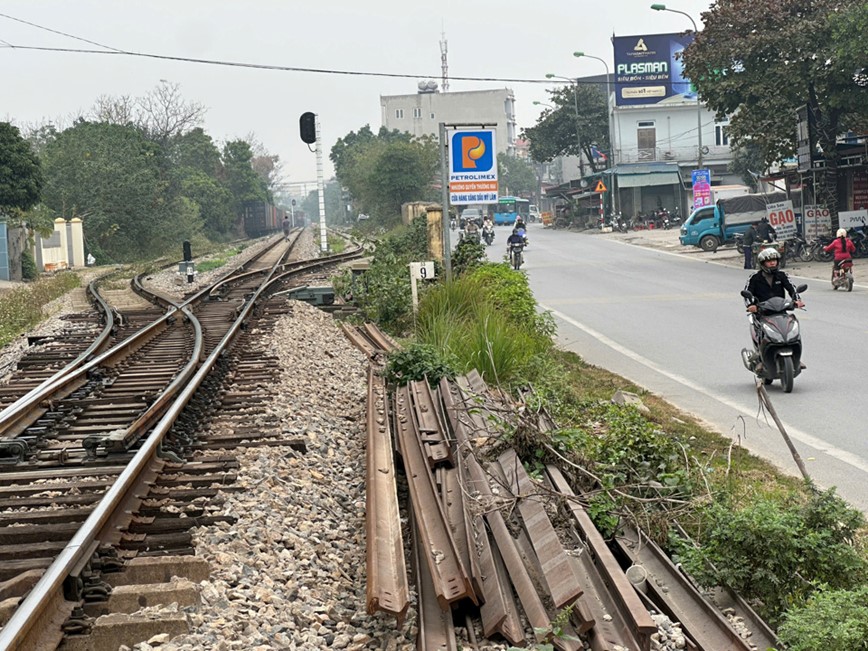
column 647, row 174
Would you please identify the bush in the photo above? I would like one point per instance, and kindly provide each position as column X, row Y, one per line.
column 416, row 362
column 28, row 266
column 831, row 619
column 464, row 321
column 382, row 293
column 466, row 257
column 775, row 554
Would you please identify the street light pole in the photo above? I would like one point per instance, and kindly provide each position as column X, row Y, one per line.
column 662, row 7
column 575, row 84
column 608, row 96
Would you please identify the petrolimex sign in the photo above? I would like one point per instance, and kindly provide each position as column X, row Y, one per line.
column 648, row 70
column 472, row 167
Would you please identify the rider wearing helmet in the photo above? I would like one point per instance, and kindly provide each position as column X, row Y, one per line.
column 842, row 247
column 769, row 281
column 515, row 238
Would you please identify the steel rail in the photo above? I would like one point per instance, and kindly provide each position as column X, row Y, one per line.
column 387, row 585
column 613, row 589
column 120, row 441
column 99, row 342
column 12, row 417
column 673, row 592
column 47, row 593
column 451, row 580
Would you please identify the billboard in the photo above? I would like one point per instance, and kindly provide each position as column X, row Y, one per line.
column 648, row 70
column 472, row 167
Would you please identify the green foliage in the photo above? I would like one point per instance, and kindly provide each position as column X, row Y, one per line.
column 113, row 178
column 28, row 266
column 632, row 451
column 21, row 178
column 509, row 292
column 467, row 256
column 416, row 362
column 334, row 209
column 467, row 321
column 385, row 170
column 243, row 182
column 517, row 177
column 831, row 619
column 383, row 293
column 759, row 62
column 747, row 158
column 776, row 554
column 580, row 116
column 21, row 309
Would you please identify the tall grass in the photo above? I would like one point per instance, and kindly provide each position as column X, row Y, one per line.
column 465, row 321
column 21, row 308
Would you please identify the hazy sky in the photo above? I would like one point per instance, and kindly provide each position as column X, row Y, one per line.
column 486, row 38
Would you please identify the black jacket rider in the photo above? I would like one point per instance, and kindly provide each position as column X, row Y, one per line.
column 764, row 285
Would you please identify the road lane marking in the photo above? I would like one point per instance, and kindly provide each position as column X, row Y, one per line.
column 841, row 455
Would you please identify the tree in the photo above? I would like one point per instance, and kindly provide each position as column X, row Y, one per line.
column 113, row 177
column 198, row 169
column 21, row 178
column 385, row 170
column 580, row 117
column 759, row 61
column 517, row 176
column 747, row 161
column 162, row 114
column 241, row 179
column 334, row 210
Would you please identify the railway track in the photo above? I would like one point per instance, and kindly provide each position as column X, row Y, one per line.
column 97, row 467
column 505, row 552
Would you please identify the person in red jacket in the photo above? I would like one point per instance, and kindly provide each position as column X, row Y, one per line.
column 841, row 247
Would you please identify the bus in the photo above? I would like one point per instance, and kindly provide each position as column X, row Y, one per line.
column 508, row 209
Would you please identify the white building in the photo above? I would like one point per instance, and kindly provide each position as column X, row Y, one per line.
column 421, row 113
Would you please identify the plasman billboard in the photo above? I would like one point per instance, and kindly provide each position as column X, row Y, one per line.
column 648, row 69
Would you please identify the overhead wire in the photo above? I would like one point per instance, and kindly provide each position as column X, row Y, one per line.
column 239, row 64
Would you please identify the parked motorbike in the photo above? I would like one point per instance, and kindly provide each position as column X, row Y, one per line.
column 515, row 255
column 777, row 342
column 619, row 223
column 488, row 234
column 663, row 216
column 842, row 275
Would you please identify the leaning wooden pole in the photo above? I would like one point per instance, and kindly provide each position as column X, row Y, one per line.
column 764, row 400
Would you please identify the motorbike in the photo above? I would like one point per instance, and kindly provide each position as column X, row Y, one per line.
column 777, row 342
column 515, row 255
column 663, row 216
column 488, row 234
column 842, row 275
column 453, row 223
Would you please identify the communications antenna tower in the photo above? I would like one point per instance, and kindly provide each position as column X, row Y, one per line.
column 444, row 63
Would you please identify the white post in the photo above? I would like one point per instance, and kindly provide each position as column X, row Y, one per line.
column 323, row 239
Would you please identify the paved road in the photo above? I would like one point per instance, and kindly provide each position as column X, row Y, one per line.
column 675, row 323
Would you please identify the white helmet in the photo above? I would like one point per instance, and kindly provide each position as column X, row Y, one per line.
column 767, row 254
column 842, row 232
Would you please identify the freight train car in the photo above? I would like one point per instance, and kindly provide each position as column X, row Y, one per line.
column 260, row 218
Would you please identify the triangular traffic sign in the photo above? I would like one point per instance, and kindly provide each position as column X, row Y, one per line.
column 601, row 187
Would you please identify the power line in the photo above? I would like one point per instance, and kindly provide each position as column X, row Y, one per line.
column 263, row 66
column 54, row 31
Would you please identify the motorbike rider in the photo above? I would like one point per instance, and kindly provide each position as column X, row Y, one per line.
column 842, row 247
column 515, row 237
column 765, row 232
column 769, row 281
